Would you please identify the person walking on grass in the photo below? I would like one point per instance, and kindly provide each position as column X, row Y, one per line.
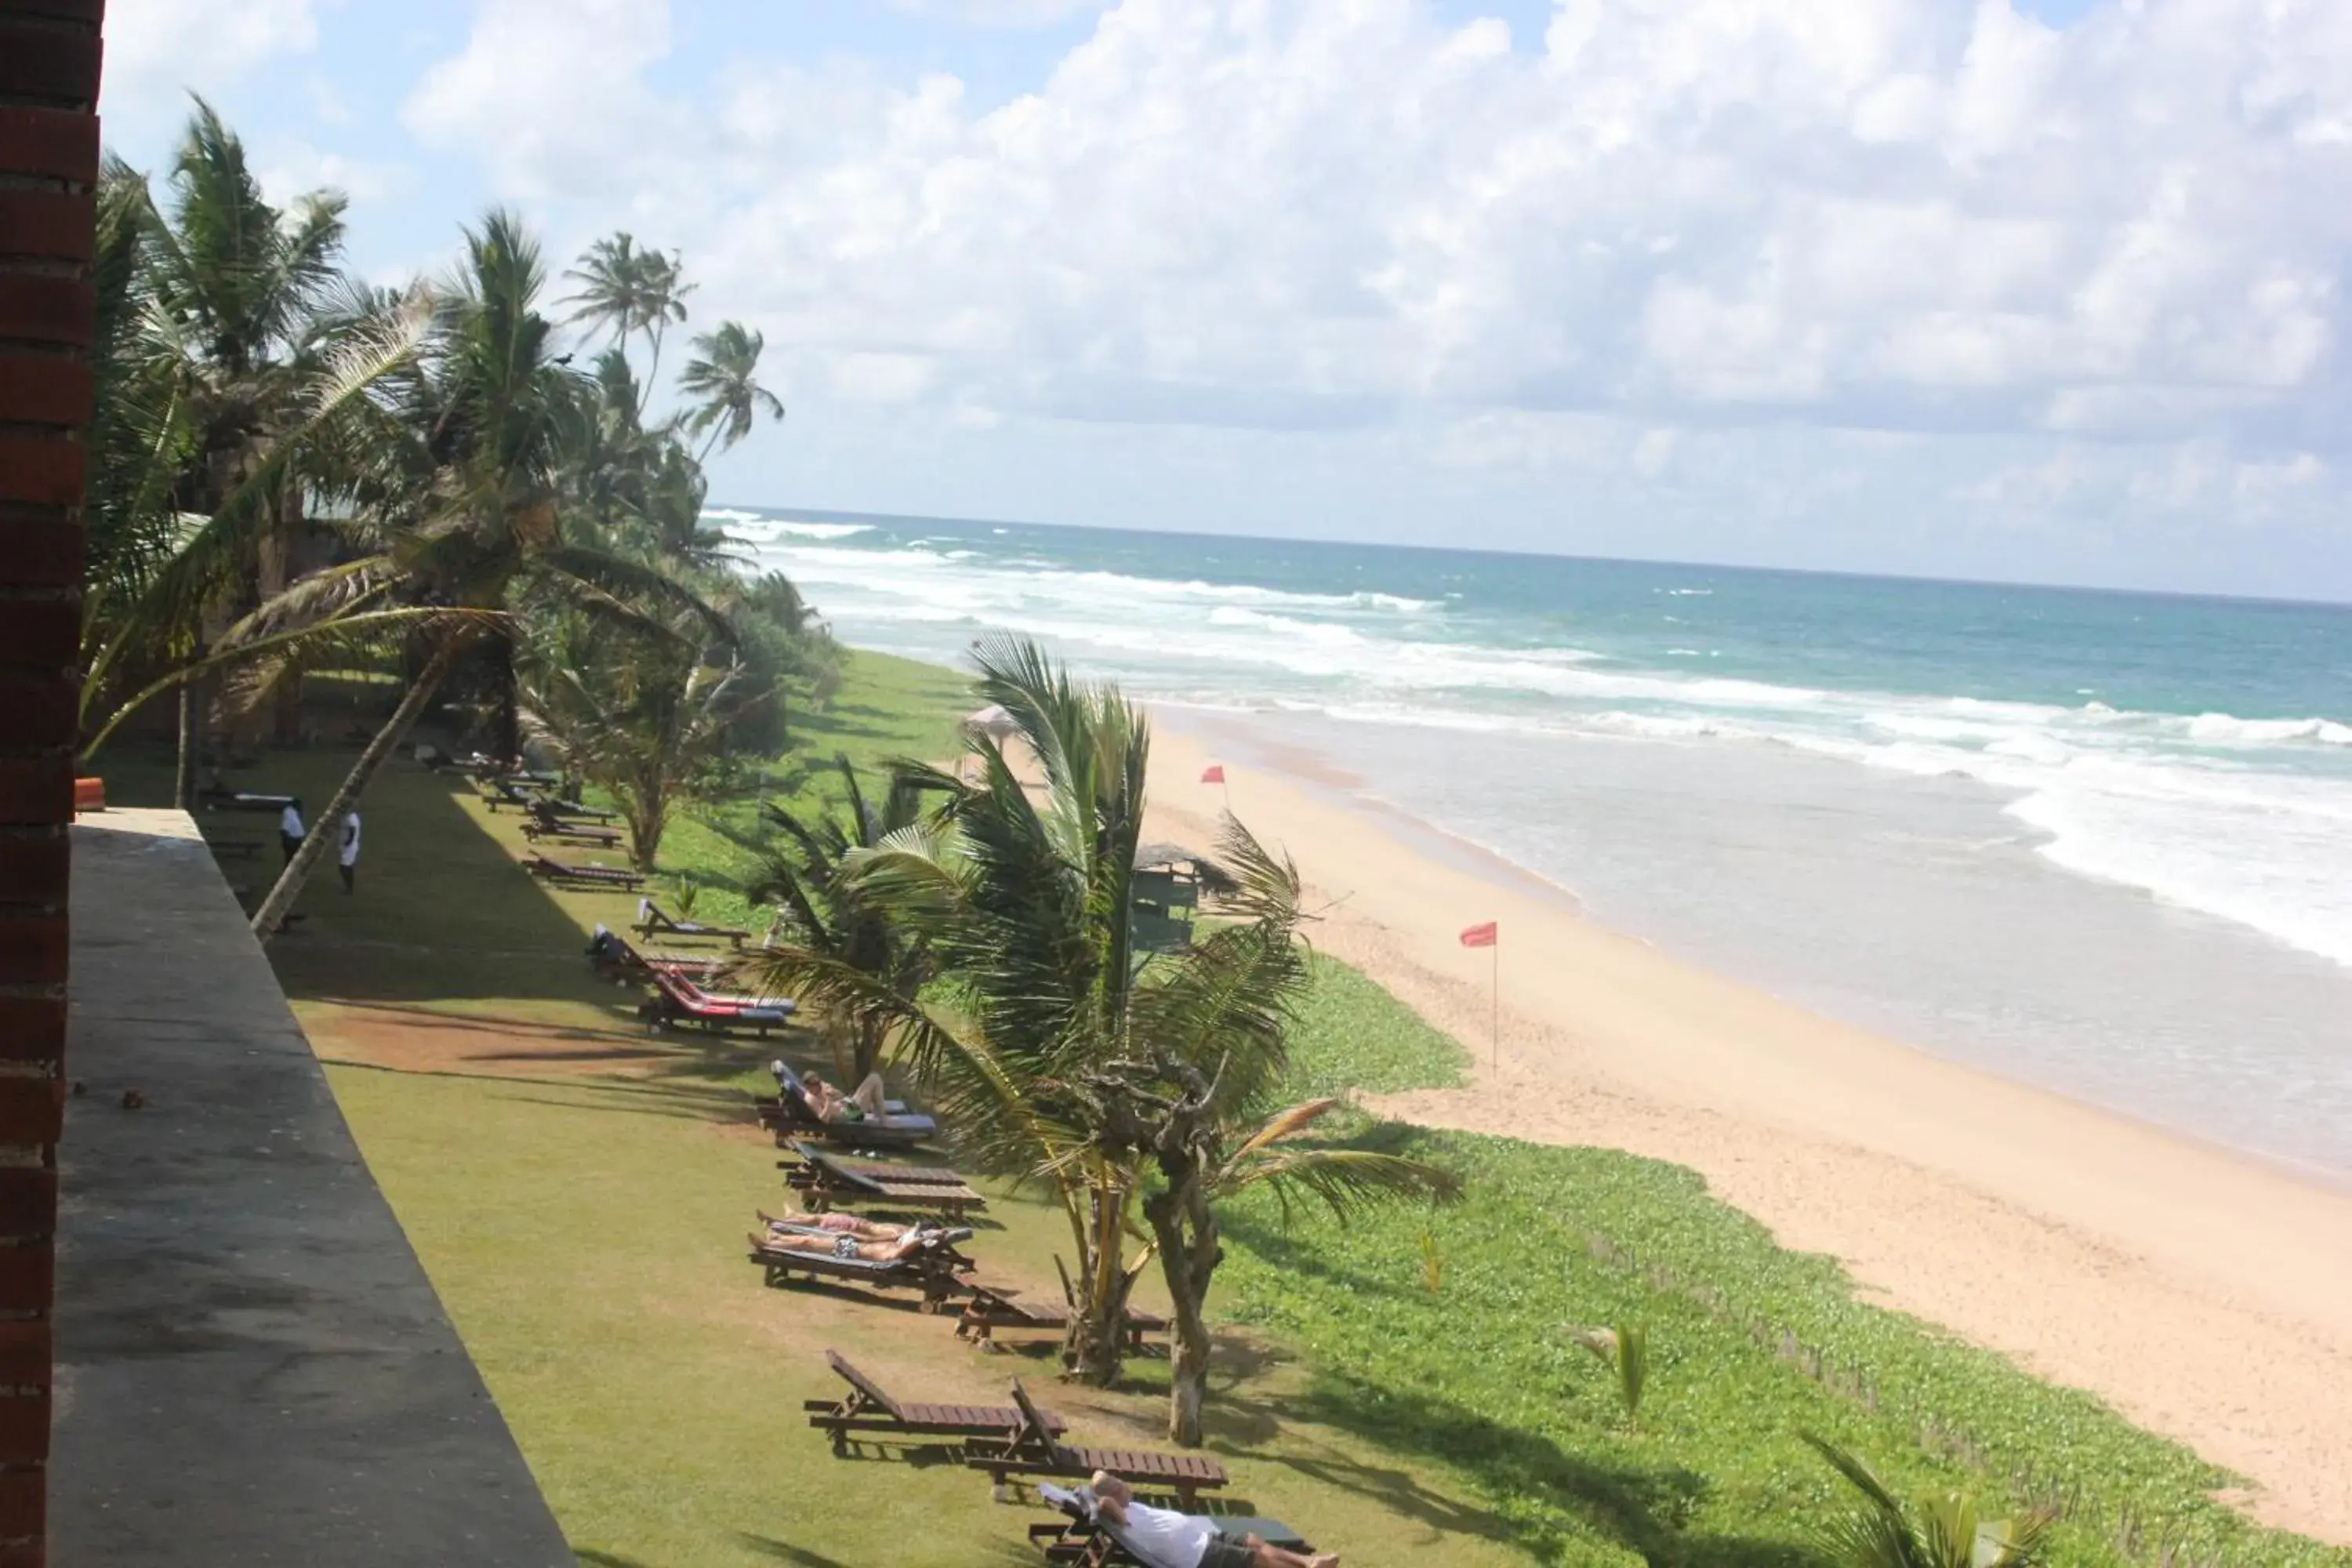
column 290, row 829
column 348, row 862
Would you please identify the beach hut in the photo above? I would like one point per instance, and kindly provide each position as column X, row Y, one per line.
column 992, row 722
column 1164, row 896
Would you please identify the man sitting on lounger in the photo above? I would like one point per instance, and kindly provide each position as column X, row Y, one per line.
column 1163, row 1538
column 831, row 1105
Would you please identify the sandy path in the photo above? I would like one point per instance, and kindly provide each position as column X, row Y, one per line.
column 2207, row 1297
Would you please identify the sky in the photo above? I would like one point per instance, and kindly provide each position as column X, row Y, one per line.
column 2050, row 290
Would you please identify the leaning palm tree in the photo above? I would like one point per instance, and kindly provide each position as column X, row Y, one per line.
column 453, row 489
column 1042, row 1004
column 804, row 875
column 1939, row 1532
column 232, row 285
column 721, row 378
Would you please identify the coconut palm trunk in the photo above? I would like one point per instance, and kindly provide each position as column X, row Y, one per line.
column 327, row 828
column 184, row 765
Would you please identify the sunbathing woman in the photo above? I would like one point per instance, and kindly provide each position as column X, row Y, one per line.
column 844, row 1245
column 848, row 1224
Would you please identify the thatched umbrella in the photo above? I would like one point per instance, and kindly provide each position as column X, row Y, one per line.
column 992, row 722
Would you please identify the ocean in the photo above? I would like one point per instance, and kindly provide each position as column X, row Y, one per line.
column 2100, row 842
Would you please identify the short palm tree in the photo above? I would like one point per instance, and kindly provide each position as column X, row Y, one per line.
column 1937, row 1531
column 804, row 875
column 1044, row 1042
column 722, row 381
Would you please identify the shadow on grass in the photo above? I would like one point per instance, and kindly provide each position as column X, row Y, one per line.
column 1644, row 1508
column 803, row 1557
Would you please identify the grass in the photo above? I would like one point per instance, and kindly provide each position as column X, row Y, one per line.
column 1749, row 1344
column 1403, row 1386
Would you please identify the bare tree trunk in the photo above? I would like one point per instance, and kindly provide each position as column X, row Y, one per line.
column 506, row 723
column 327, row 828
column 184, row 766
column 1187, row 1266
column 276, row 573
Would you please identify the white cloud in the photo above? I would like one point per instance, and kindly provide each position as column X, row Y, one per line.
column 999, row 12
column 158, row 49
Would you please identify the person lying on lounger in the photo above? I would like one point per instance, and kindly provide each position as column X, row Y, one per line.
column 1166, row 1539
column 844, row 1245
column 831, row 1105
column 858, row 1226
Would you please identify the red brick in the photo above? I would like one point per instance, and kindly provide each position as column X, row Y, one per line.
column 23, row 1430
column 89, row 13
column 53, row 224
column 32, row 870
column 24, row 1497
column 41, row 555
column 28, row 1281
column 41, row 712
column 35, row 789
column 60, row 143
column 28, row 1211
column 37, row 307
column 43, row 634
column 47, row 62
column 33, row 950
column 26, row 1347
column 45, row 470
column 44, row 389
column 32, row 1029
column 32, row 1109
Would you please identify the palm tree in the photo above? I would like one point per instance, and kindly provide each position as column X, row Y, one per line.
column 232, row 285
column 643, row 716
column 805, row 876
column 624, row 291
column 1940, row 1531
column 720, row 377
column 1038, row 1037
column 455, row 490
column 1201, row 1100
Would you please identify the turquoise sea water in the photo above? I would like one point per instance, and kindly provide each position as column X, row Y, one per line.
column 2100, row 840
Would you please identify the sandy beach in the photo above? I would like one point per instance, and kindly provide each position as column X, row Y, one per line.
column 2205, row 1295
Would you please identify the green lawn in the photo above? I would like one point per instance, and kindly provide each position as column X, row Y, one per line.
column 1401, row 1387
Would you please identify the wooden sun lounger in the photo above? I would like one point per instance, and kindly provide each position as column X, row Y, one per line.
column 678, row 1000
column 243, row 800
column 1032, row 1450
column 936, row 1271
column 866, row 1411
column 614, row 958
column 573, row 809
column 501, row 792
column 654, row 920
column 540, row 823
column 994, row 1307
column 1085, row 1538
column 581, row 873
column 795, row 1116
column 823, row 1180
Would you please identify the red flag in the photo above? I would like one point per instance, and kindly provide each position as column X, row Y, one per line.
column 1478, row 936
column 1213, row 773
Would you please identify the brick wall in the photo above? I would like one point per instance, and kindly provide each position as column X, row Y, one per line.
column 48, row 167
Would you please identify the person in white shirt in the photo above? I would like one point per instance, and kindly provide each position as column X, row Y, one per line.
column 348, row 861
column 289, row 828
column 1163, row 1538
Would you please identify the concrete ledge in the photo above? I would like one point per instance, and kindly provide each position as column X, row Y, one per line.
column 252, row 1367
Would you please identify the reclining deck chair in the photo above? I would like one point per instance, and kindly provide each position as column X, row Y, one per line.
column 582, row 874
column 866, row 1411
column 540, row 821
column 678, row 1000
column 994, row 1306
column 654, row 920
column 823, row 1181
column 1032, row 1450
column 613, row 957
